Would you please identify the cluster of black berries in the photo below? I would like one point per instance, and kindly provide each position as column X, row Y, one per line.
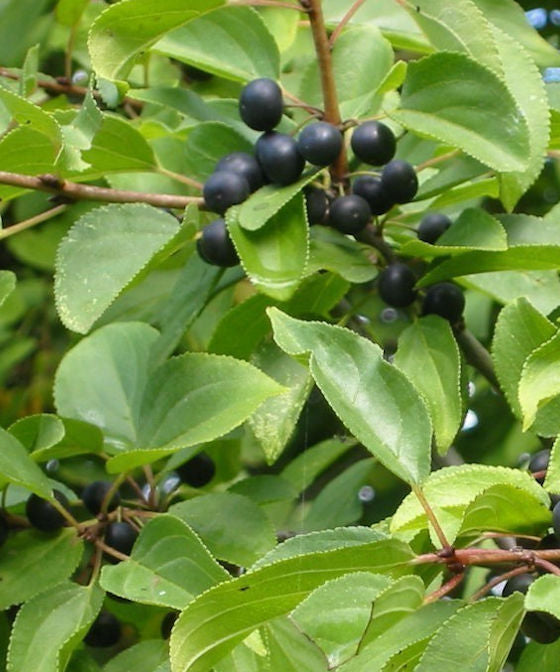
column 280, row 159
column 396, row 282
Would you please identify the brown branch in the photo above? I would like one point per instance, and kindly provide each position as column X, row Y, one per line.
column 484, row 557
column 498, row 579
column 432, row 518
column 447, row 587
column 32, row 221
column 437, row 159
column 345, row 19
column 87, row 192
column 547, row 566
column 110, row 550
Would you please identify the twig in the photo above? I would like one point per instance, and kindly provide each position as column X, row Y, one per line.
column 431, row 517
column 110, row 550
column 370, row 236
column 65, row 513
column 297, row 102
column 32, row 221
column 476, row 355
column 52, row 185
column 447, row 587
column 498, row 579
column 180, row 178
column 437, row 159
column 548, row 566
column 345, row 19
column 152, row 497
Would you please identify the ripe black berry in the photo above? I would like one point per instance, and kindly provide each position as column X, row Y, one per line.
column 120, row 536
column 518, row 584
column 316, row 204
column 215, row 246
column 245, row 165
column 320, row 143
column 432, row 226
column 349, row 214
column 372, row 190
column 396, row 285
column 168, row 623
column 105, row 631
column 445, row 300
column 399, row 181
column 374, row 143
column 541, row 627
column 224, row 189
column 94, row 494
column 539, row 462
column 43, row 515
column 198, row 471
column 279, row 158
column 261, row 104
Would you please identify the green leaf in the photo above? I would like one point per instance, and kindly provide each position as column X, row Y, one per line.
column 123, row 32
column 234, row 528
column 290, row 650
column 242, row 46
column 222, row 617
column 248, row 321
column 539, row 385
column 374, row 399
column 525, row 83
column 275, row 255
column 336, row 614
column 50, row 625
column 17, row 467
column 255, row 212
column 145, row 656
column 552, row 478
column 520, row 329
column 453, row 99
column 264, row 489
column 24, row 150
column 474, row 229
column 69, row 12
column 7, row 285
column 102, row 253
column 168, row 567
column 38, row 432
column 31, row 561
column 429, row 356
column 542, row 657
column 332, row 251
column 273, row 423
column 29, row 114
column 28, row 81
column 79, row 438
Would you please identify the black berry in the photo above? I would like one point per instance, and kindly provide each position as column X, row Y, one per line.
column 444, row 299
column 168, row 623
column 399, row 181
column 316, row 204
column 349, row 214
column 372, row 190
column 320, row 143
column 541, row 627
column 94, row 494
column 105, row 631
column 198, row 471
column 195, row 74
column 396, row 285
column 432, row 226
column 215, row 246
column 43, row 515
column 244, row 165
column 224, row 189
column 279, row 158
column 120, row 536
column 518, row 584
column 261, row 104
column 374, row 143
column 539, row 462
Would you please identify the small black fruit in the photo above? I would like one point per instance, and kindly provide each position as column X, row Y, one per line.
column 198, row 471
column 261, row 104
column 224, row 189
column 396, row 285
column 432, row 226
column 279, row 158
column 349, row 214
column 539, row 462
column 43, row 515
column 399, row 181
column 105, row 631
column 245, row 165
column 444, row 299
column 541, row 627
column 518, row 584
column 320, row 143
column 374, row 143
column 371, row 189
column 316, row 204
column 215, row 246
column 168, row 623
column 120, row 536
column 94, row 494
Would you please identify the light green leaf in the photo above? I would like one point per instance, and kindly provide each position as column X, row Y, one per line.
column 539, row 385
column 234, row 528
column 24, row 150
column 552, row 478
column 336, row 614
column 520, row 329
column 168, row 567
column 102, row 253
column 17, row 467
column 453, row 99
column 374, row 399
column 274, row 421
column 332, row 251
column 275, row 256
column 50, row 625
column 290, row 650
column 543, row 595
column 79, row 438
column 242, row 46
column 29, row 114
column 223, row 616
column 38, row 432
column 32, row 561
column 145, row 656
column 122, row 32
column 264, row 489
column 207, row 143
column 7, row 285
column 28, row 81
column 429, row 356
column 542, row 657
column 69, row 12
